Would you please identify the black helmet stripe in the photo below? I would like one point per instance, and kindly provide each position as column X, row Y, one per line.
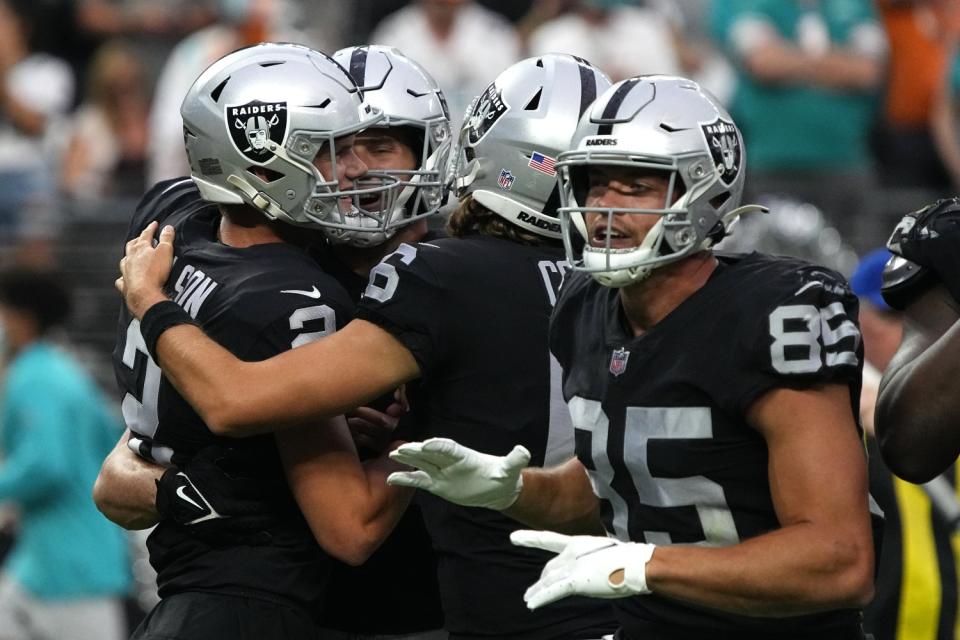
column 550, row 206
column 610, row 111
column 358, row 65
column 588, row 87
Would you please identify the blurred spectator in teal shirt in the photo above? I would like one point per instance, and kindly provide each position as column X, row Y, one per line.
column 809, row 74
column 69, row 569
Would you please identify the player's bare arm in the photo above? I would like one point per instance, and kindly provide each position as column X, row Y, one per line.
column 348, row 505
column 917, row 405
column 820, row 559
column 237, row 398
column 126, row 489
column 558, row 498
column 822, row 556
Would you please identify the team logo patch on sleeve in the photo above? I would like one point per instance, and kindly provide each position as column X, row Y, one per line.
column 253, row 126
column 724, row 145
column 618, row 361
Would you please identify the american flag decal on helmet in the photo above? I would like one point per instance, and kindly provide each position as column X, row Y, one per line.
column 542, row 163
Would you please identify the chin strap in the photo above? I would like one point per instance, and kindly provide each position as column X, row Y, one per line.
column 729, row 221
column 257, row 199
column 731, row 216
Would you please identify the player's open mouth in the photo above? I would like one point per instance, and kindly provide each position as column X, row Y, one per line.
column 370, row 202
column 618, row 238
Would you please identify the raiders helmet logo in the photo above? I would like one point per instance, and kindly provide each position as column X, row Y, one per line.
column 253, row 126
column 488, row 108
column 724, row 145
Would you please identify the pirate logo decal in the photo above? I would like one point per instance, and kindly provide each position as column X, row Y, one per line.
column 488, row 108
column 724, row 145
column 253, row 126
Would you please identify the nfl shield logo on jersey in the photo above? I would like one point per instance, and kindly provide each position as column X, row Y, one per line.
column 506, row 180
column 618, row 361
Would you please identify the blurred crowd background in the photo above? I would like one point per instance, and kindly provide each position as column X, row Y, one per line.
column 849, row 108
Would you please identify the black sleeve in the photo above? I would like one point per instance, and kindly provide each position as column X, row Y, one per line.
column 160, row 201
column 801, row 331
column 406, row 297
column 564, row 316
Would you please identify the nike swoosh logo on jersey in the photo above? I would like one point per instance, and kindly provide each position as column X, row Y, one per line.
column 313, row 293
column 809, row 285
column 182, row 494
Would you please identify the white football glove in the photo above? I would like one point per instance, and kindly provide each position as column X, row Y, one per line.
column 460, row 474
column 584, row 565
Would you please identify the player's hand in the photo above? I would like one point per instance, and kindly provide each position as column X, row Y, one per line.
column 930, row 238
column 216, row 500
column 460, row 474
column 592, row 566
column 144, row 269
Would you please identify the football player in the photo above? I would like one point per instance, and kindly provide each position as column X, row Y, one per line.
column 247, row 220
column 918, row 404
column 468, row 315
column 411, row 144
column 714, row 398
column 395, row 592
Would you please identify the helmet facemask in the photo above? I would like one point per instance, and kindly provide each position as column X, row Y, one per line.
column 281, row 104
column 416, row 116
column 653, row 124
column 420, row 191
column 672, row 237
column 340, row 212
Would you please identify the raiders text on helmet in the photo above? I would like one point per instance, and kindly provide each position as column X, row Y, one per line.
column 256, row 119
column 659, row 123
column 408, row 97
column 514, row 131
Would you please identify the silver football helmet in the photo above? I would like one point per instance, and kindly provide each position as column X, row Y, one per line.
column 515, row 130
column 409, row 97
column 254, row 122
column 660, row 123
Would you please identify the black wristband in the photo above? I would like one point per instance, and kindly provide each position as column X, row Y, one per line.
column 158, row 319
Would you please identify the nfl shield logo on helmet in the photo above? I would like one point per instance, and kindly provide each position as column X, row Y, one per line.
column 618, row 361
column 253, row 126
column 724, row 145
column 506, row 180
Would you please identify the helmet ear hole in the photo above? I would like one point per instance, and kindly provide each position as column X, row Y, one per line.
column 264, row 174
column 719, row 200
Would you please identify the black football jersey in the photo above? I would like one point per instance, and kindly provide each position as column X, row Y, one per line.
column 395, row 591
column 660, row 418
column 256, row 302
column 474, row 312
